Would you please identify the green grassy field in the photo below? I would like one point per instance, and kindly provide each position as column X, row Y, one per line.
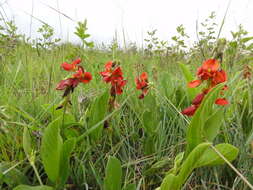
column 70, row 148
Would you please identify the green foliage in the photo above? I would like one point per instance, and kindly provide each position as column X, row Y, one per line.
column 149, row 136
column 11, row 175
column 81, row 32
column 55, row 154
column 46, row 41
column 27, row 187
column 113, row 174
column 97, row 113
column 9, row 38
column 51, row 149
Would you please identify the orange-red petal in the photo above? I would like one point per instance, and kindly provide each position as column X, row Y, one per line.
column 87, row 77
column 211, row 65
column 194, row 83
column 144, row 76
column 108, row 65
column 221, row 101
column 77, row 61
column 67, row 67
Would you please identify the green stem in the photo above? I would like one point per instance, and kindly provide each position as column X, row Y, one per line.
column 36, row 173
column 233, row 168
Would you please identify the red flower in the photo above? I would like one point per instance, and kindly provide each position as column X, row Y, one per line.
column 117, row 87
column 210, row 65
column 142, row 84
column 114, row 75
column 82, row 76
column 72, row 82
column 71, row 66
column 208, row 71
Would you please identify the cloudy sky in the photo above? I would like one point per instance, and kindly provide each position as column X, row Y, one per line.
column 135, row 17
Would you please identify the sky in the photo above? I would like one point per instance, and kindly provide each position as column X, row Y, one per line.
column 106, row 18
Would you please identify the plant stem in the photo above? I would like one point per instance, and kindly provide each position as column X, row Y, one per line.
column 233, row 168
column 37, row 173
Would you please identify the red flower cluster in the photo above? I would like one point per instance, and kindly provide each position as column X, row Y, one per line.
column 142, row 84
column 80, row 76
column 114, row 75
column 210, row 71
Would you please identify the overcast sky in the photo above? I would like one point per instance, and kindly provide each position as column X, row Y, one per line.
column 134, row 16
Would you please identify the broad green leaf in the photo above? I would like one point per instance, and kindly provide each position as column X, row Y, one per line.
column 196, row 129
column 191, row 162
column 212, row 125
column 67, row 148
column 150, row 115
column 51, row 147
column 97, row 113
column 27, row 187
column 149, row 122
column 113, row 174
column 27, row 142
column 211, row 158
column 170, row 182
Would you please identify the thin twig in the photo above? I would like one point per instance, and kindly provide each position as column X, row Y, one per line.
column 232, row 167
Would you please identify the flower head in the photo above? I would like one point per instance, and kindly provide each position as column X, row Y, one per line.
column 211, row 73
column 80, row 76
column 114, row 75
column 142, row 84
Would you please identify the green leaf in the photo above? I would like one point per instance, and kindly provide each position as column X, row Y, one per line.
column 211, row 158
column 170, row 182
column 97, row 113
column 191, row 162
column 27, row 142
column 250, row 47
column 196, row 129
column 51, row 147
column 67, row 148
column 113, row 174
column 244, row 40
column 212, row 125
column 150, row 115
column 27, row 187
column 149, row 122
